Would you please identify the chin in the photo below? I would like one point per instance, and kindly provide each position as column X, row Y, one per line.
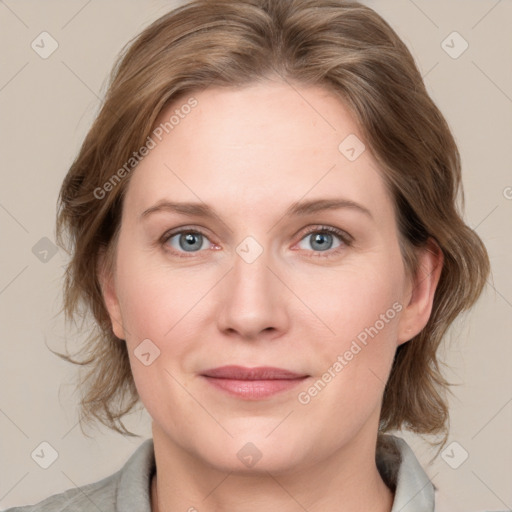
column 254, row 454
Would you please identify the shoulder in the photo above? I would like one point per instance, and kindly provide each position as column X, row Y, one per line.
column 127, row 489
column 413, row 489
column 88, row 498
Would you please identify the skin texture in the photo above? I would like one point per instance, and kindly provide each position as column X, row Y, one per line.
column 250, row 153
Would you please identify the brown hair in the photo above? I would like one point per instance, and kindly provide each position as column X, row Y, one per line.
column 343, row 46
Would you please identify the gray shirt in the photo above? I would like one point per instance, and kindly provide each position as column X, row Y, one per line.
column 128, row 490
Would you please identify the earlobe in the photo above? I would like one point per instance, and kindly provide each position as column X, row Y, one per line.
column 419, row 298
column 106, row 280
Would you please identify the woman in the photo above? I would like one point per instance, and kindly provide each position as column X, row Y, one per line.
column 263, row 221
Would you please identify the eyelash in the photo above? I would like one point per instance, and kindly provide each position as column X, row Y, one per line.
column 342, row 235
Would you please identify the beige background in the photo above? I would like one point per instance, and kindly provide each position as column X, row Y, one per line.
column 47, row 106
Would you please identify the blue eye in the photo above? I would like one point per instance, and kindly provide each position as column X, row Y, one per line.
column 192, row 241
column 321, row 239
column 188, row 241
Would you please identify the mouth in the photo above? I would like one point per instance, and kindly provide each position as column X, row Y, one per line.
column 252, row 383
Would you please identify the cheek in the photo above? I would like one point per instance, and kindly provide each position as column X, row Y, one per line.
column 153, row 297
column 157, row 304
column 356, row 300
column 361, row 305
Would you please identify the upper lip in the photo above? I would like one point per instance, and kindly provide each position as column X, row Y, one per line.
column 257, row 373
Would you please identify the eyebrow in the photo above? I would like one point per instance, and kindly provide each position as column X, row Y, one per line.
column 299, row 208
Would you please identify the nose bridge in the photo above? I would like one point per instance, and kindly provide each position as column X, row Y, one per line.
column 253, row 299
column 251, row 277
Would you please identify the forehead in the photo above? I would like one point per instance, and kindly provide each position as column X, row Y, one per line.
column 244, row 145
column 269, row 114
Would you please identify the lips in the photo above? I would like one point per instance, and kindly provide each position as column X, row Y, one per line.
column 252, row 383
column 259, row 373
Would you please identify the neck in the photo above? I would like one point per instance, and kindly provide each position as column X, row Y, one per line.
column 329, row 486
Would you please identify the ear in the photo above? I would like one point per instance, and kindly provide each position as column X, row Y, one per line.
column 108, row 289
column 419, row 295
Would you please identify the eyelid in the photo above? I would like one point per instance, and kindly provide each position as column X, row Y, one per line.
column 344, row 237
column 162, row 241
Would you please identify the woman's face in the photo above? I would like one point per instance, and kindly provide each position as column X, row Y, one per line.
column 248, row 276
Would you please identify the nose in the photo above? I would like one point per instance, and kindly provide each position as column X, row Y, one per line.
column 253, row 300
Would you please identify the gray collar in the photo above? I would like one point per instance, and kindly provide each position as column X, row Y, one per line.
column 401, row 470
column 397, row 464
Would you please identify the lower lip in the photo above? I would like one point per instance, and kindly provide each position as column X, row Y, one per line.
column 254, row 389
